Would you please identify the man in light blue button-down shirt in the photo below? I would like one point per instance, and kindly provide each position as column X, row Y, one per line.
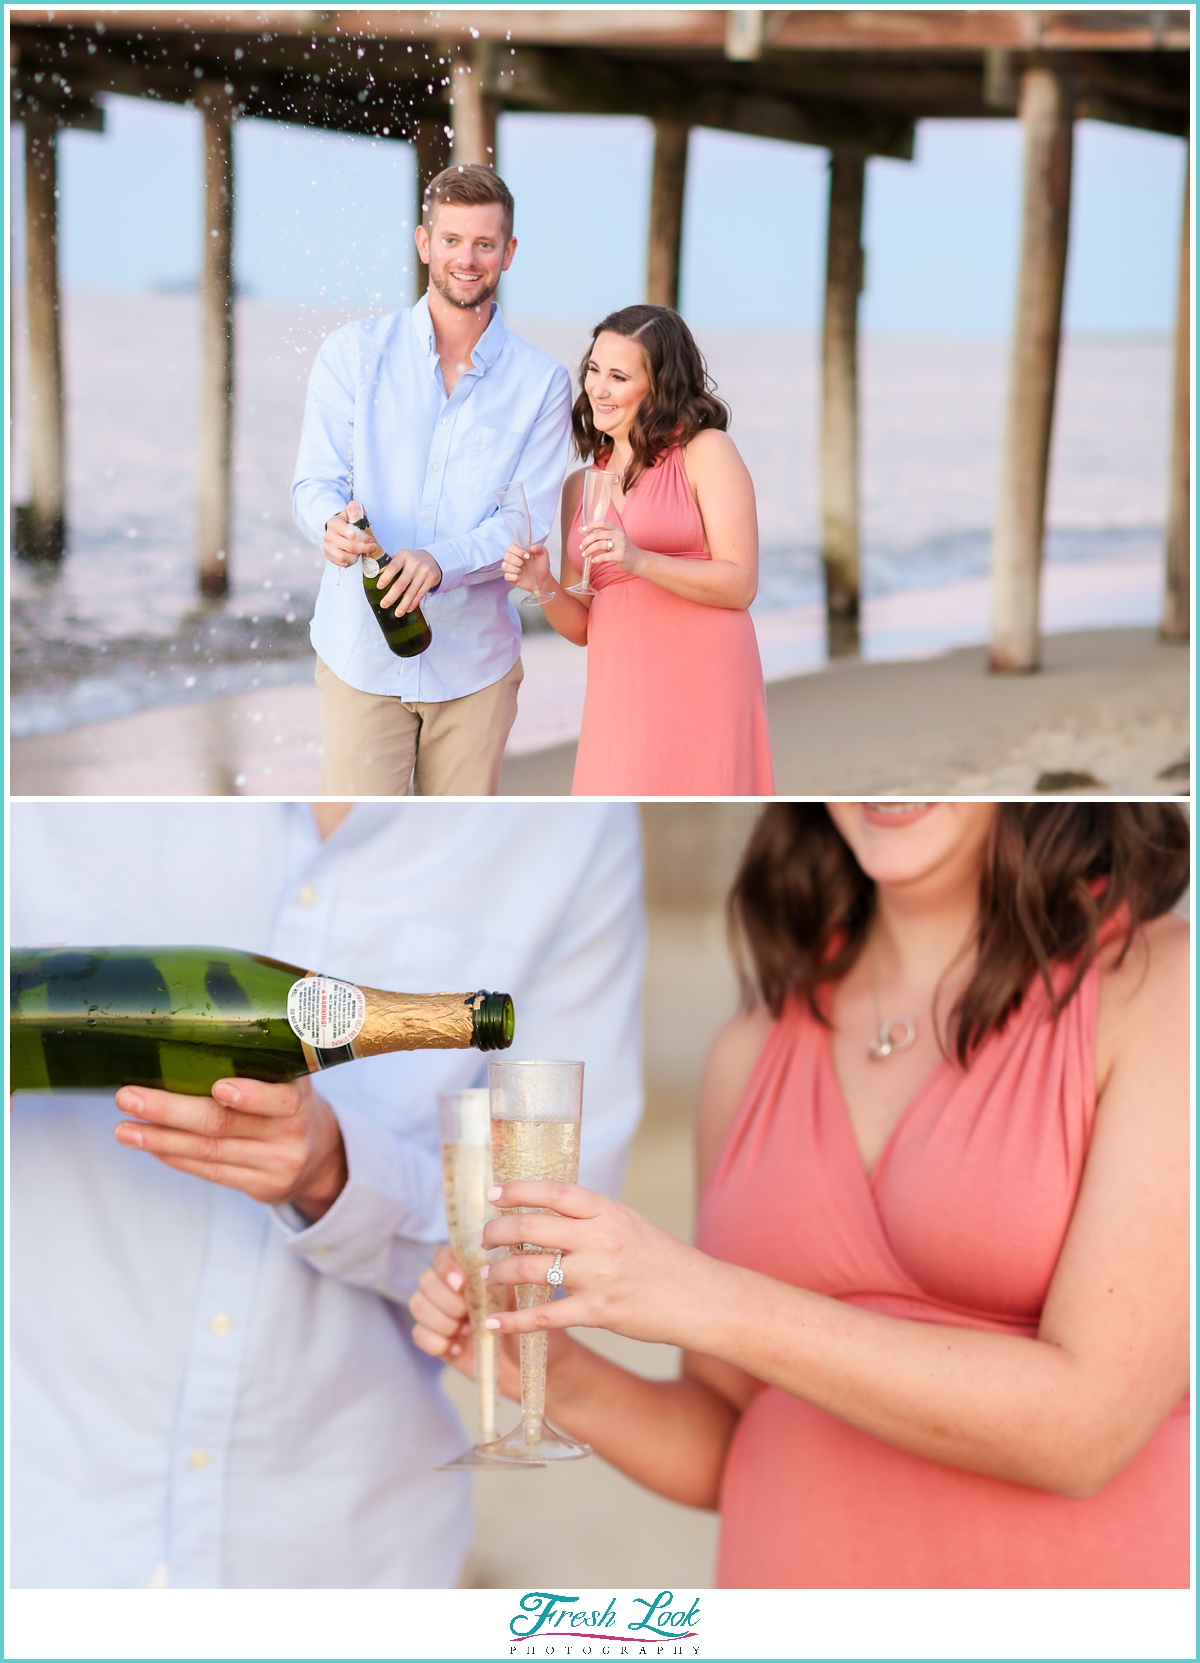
column 418, row 416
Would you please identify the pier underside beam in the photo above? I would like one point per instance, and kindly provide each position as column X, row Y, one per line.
column 1177, row 602
column 215, row 484
column 666, row 212
column 839, row 405
column 42, row 523
column 1047, row 114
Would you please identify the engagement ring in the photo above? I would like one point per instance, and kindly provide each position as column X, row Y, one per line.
column 610, row 545
column 556, row 1275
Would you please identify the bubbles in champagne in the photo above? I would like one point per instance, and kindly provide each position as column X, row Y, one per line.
column 466, row 1176
column 534, row 1149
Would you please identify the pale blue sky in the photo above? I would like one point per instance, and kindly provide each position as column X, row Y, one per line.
column 326, row 218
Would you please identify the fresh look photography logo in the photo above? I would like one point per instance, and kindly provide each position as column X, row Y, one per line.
column 633, row 1626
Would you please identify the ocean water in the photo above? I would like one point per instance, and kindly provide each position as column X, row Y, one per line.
column 120, row 627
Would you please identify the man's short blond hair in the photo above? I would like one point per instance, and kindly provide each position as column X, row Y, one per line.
column 468, row 185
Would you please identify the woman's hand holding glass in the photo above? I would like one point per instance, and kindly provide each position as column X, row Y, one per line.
column 621, row 1272
column 443, row 1324
column 442, row 1327
column 529, row 569
column 608, row 544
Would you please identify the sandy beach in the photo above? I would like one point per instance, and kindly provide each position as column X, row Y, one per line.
column 1110, row 707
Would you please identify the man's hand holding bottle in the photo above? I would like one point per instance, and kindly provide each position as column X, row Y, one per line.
column 412, row 573
column 277, row 1143
column 344, row 543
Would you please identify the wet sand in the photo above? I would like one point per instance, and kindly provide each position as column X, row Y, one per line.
column 1113, row 704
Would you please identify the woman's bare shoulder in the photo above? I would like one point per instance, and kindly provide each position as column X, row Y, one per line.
column 1157, row 959
column 711, row 458
column 1145, row 997
column 709, row 445
column 735, row 1050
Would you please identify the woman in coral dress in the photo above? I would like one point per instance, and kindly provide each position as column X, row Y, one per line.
column 675, row 703
column 935, row 1329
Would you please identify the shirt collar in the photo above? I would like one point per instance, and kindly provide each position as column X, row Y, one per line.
column 364, row 821
column 487, row 348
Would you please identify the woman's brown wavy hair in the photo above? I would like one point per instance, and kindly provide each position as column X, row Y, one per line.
column 1054, row 873
column 682, row 400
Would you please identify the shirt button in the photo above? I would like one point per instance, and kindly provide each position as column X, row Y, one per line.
column 429, row 516
column 437, row 467
column 199, row 1458
column 308, row 896
column 222, row 1323
column 445, row 419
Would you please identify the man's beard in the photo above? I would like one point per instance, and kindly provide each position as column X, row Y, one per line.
column 441, row 283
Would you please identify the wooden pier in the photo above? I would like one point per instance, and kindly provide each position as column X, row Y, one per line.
column 852, row 82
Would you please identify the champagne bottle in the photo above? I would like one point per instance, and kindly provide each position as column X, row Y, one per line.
column 406, row 636
column 181, row 1018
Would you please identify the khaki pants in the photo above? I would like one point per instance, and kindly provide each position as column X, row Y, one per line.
column 377, row 745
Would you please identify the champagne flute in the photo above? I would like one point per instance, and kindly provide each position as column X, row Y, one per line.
column 514, row 511
column 598, row 486
column 535, row 1134
column 466, row 1178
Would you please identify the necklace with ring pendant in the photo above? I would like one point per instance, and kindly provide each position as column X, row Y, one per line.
column 894, row 1033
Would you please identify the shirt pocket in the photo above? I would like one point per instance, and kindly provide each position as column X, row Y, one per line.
column 483, row 458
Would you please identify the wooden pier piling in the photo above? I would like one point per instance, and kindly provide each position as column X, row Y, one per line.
column 1047, row 114
column 215, row 478
column 42, row 522
column 667, row 189
column 472, row 111
column 1177, row 600
column 431, row 142
column 839, row 405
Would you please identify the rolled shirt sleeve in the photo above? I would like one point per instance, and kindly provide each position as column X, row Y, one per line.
column 381, row 1231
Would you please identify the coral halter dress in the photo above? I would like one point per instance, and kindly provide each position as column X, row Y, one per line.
column 675, row 703
column 961, row 1222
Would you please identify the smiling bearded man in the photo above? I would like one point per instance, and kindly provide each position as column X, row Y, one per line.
column 418, row 416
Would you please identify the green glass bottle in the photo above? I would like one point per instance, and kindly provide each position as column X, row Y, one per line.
column 406, row 636
column 181, row 1018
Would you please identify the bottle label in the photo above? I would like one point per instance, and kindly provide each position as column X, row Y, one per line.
column 325, row 1013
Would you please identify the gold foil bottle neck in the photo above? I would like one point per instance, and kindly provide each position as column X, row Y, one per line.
column 415, row 1022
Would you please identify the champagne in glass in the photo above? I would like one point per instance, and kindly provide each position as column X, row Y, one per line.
column 536, row 1108
column 466, row 1178
column 514, row 511
column 598, row 486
